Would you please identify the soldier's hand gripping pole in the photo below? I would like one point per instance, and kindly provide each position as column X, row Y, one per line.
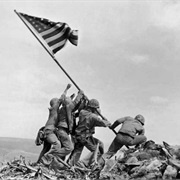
column 100, row 115
column 109, row 128
column 69, row 85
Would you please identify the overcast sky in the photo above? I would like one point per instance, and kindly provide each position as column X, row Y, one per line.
column 128, row 58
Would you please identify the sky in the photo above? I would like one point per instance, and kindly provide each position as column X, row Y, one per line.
column 127, row 58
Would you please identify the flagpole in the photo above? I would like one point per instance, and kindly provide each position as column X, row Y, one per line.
column 53, row 57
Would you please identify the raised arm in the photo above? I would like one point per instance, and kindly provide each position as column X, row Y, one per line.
column 101, row 122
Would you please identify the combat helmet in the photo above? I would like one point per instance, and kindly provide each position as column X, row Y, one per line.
column 93, row 103
column 140, row 118
column 54, row 101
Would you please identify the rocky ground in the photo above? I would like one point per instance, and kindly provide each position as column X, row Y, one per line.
column 150, row 161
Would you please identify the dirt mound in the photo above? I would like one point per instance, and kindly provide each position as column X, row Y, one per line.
column 150, row 161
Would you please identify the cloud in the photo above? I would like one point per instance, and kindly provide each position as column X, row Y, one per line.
column 158, row 100
column 33, row 85
column 139, row 59
column 166, row 14
column 163, row 123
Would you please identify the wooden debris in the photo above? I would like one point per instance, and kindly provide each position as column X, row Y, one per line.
column 134, row 164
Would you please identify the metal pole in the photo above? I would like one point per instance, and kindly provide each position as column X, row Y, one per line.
column 53, row 57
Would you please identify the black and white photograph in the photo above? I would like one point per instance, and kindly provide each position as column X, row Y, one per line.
column 90, row 89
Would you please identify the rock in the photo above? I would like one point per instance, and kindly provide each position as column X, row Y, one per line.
column 154, row 165
column 175, row 163
column 174, row 151
column 153, row 175
column 132, row 161
column 140, row 172
column 109, row 165
column 170, row 172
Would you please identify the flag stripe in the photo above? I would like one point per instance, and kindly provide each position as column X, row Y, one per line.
column 59, row 39
column 75, row 42
column 56, row 41
column 73, row 37
column 59, row 44
column 57, row 49
column 74, row 34
column 52, row 38
column 57, row 26
column 54, row 34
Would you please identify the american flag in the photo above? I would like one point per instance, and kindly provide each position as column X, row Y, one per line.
column 55, row 34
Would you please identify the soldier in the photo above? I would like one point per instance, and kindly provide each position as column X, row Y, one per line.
column 41, row 139
column 131, row 133
column 49, row 129
column 64, row 128
column 88, row 120
column 82, row 104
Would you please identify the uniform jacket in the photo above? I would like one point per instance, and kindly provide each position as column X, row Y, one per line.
column 65, row 118
column 87, row 123
column 129, row 126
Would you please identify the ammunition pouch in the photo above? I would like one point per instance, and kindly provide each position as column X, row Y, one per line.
column 81, row 138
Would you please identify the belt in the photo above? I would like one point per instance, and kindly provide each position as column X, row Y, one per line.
column 85, row 133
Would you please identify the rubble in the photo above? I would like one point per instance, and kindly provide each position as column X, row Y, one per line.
column 150, row 161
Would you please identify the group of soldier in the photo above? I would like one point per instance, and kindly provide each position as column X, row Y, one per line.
column 71, row 127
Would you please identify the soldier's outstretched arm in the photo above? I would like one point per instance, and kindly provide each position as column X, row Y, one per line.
column 63, row 95
column 117, row 122
column 101, row 122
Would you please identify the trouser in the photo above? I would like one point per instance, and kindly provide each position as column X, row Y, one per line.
column 64, row 147
column 90, row 143
column 122, row 139
column 46, row 148
column 51, row 140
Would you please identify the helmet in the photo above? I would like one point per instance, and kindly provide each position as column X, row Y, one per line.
column 93, row 103
column 140, row 118
column 54, row 101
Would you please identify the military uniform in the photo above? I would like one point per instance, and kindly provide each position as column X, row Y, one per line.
column 64, row 128
column 50, row 138
column 131, row 133
column 84, row 135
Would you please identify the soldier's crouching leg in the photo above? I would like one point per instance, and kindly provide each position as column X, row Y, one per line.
column 139, row 139
column 55, row 147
